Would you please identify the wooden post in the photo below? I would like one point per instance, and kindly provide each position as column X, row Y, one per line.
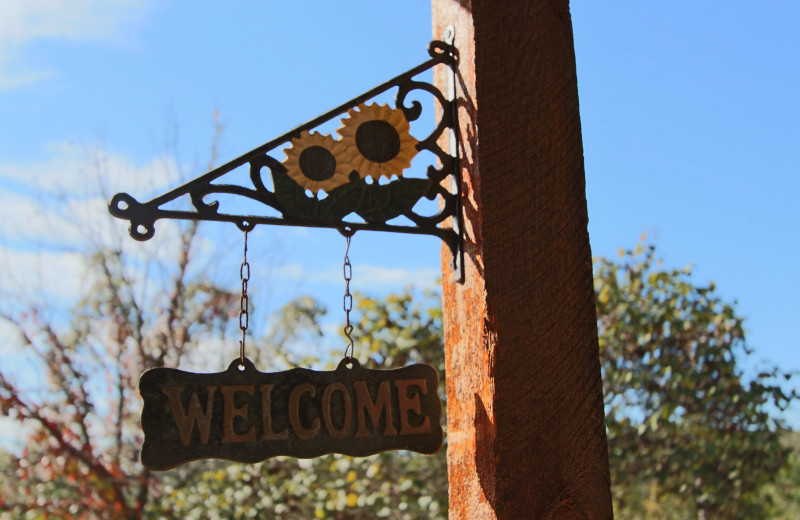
column 525, row 424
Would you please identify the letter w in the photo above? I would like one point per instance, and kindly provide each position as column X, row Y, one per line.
column 185, row 420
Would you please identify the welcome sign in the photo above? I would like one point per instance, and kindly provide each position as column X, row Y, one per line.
column 245, row 415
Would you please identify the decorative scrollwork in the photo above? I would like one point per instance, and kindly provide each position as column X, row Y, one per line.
column 374, row 143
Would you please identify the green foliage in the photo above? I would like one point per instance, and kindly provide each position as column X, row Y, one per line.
column 391, row 332
column 782, row 496
column 73, row 472
column 685, row 425
column 690, row 434
column 389, row 485
column 81, row 455
column 400, row 329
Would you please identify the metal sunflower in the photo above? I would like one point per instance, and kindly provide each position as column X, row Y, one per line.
column 314, row 161
column 378, row 141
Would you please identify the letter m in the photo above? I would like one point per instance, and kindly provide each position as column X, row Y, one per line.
column 185, row 419
column 364, row 403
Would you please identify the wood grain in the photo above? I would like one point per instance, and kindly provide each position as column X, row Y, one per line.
column 526, row 435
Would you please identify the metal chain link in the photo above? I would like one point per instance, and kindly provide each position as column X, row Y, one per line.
column 347, row 301
column 244, row 317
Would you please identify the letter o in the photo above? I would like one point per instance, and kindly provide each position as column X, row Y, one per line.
column 326, row 409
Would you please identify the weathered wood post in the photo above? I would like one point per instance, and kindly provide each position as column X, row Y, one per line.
column 525, row 410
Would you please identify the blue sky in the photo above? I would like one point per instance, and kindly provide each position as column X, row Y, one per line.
column 689, row 114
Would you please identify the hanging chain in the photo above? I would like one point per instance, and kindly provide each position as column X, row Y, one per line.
column 244, row 317
column 347, row 302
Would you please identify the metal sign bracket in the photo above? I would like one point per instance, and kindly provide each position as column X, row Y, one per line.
column 351, row 182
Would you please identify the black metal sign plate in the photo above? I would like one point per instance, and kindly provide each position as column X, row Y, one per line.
column 245, row 415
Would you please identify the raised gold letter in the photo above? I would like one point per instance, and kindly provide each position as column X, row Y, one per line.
column 294, row 412
column 230, row 412
column 364, row 402
column 408, row 404
column 185, row 420
column 326, row 409
column 266, row 416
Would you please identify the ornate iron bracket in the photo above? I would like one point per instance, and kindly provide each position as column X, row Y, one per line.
column 324, row 180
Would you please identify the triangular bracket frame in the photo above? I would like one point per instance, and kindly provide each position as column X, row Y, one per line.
column 318, row 157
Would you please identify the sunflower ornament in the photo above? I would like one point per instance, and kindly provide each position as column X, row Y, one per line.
column 315, row 162
column 377, row 140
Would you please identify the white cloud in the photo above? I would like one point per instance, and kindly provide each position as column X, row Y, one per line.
column 13, row 434
column 292, row 271
column 11, row 341
column 51, row 213
column 43, row 274
column 72, row 169
column 55, row 210
column 365, row 276
column 12, row 76
column 23, row 22
column 372, row 275
column 63, row 200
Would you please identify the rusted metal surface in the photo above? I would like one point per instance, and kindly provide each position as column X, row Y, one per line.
column 245, row 415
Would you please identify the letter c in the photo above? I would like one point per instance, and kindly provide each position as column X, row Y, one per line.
column 294, row 412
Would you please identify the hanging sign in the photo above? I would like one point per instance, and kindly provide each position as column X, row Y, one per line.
column 353, row 181
column 245, row 415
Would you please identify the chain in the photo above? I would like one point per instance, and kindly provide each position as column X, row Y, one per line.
column 244, row 317
column 347, row 302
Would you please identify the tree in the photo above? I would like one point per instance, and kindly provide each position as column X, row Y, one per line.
column 159, row 304
column 686, row 426
column 82, row 454
column 391, row 332
column 689, row 433
column 782, row 496
column 81, row 412
column 83, row 436
column 71, row 390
